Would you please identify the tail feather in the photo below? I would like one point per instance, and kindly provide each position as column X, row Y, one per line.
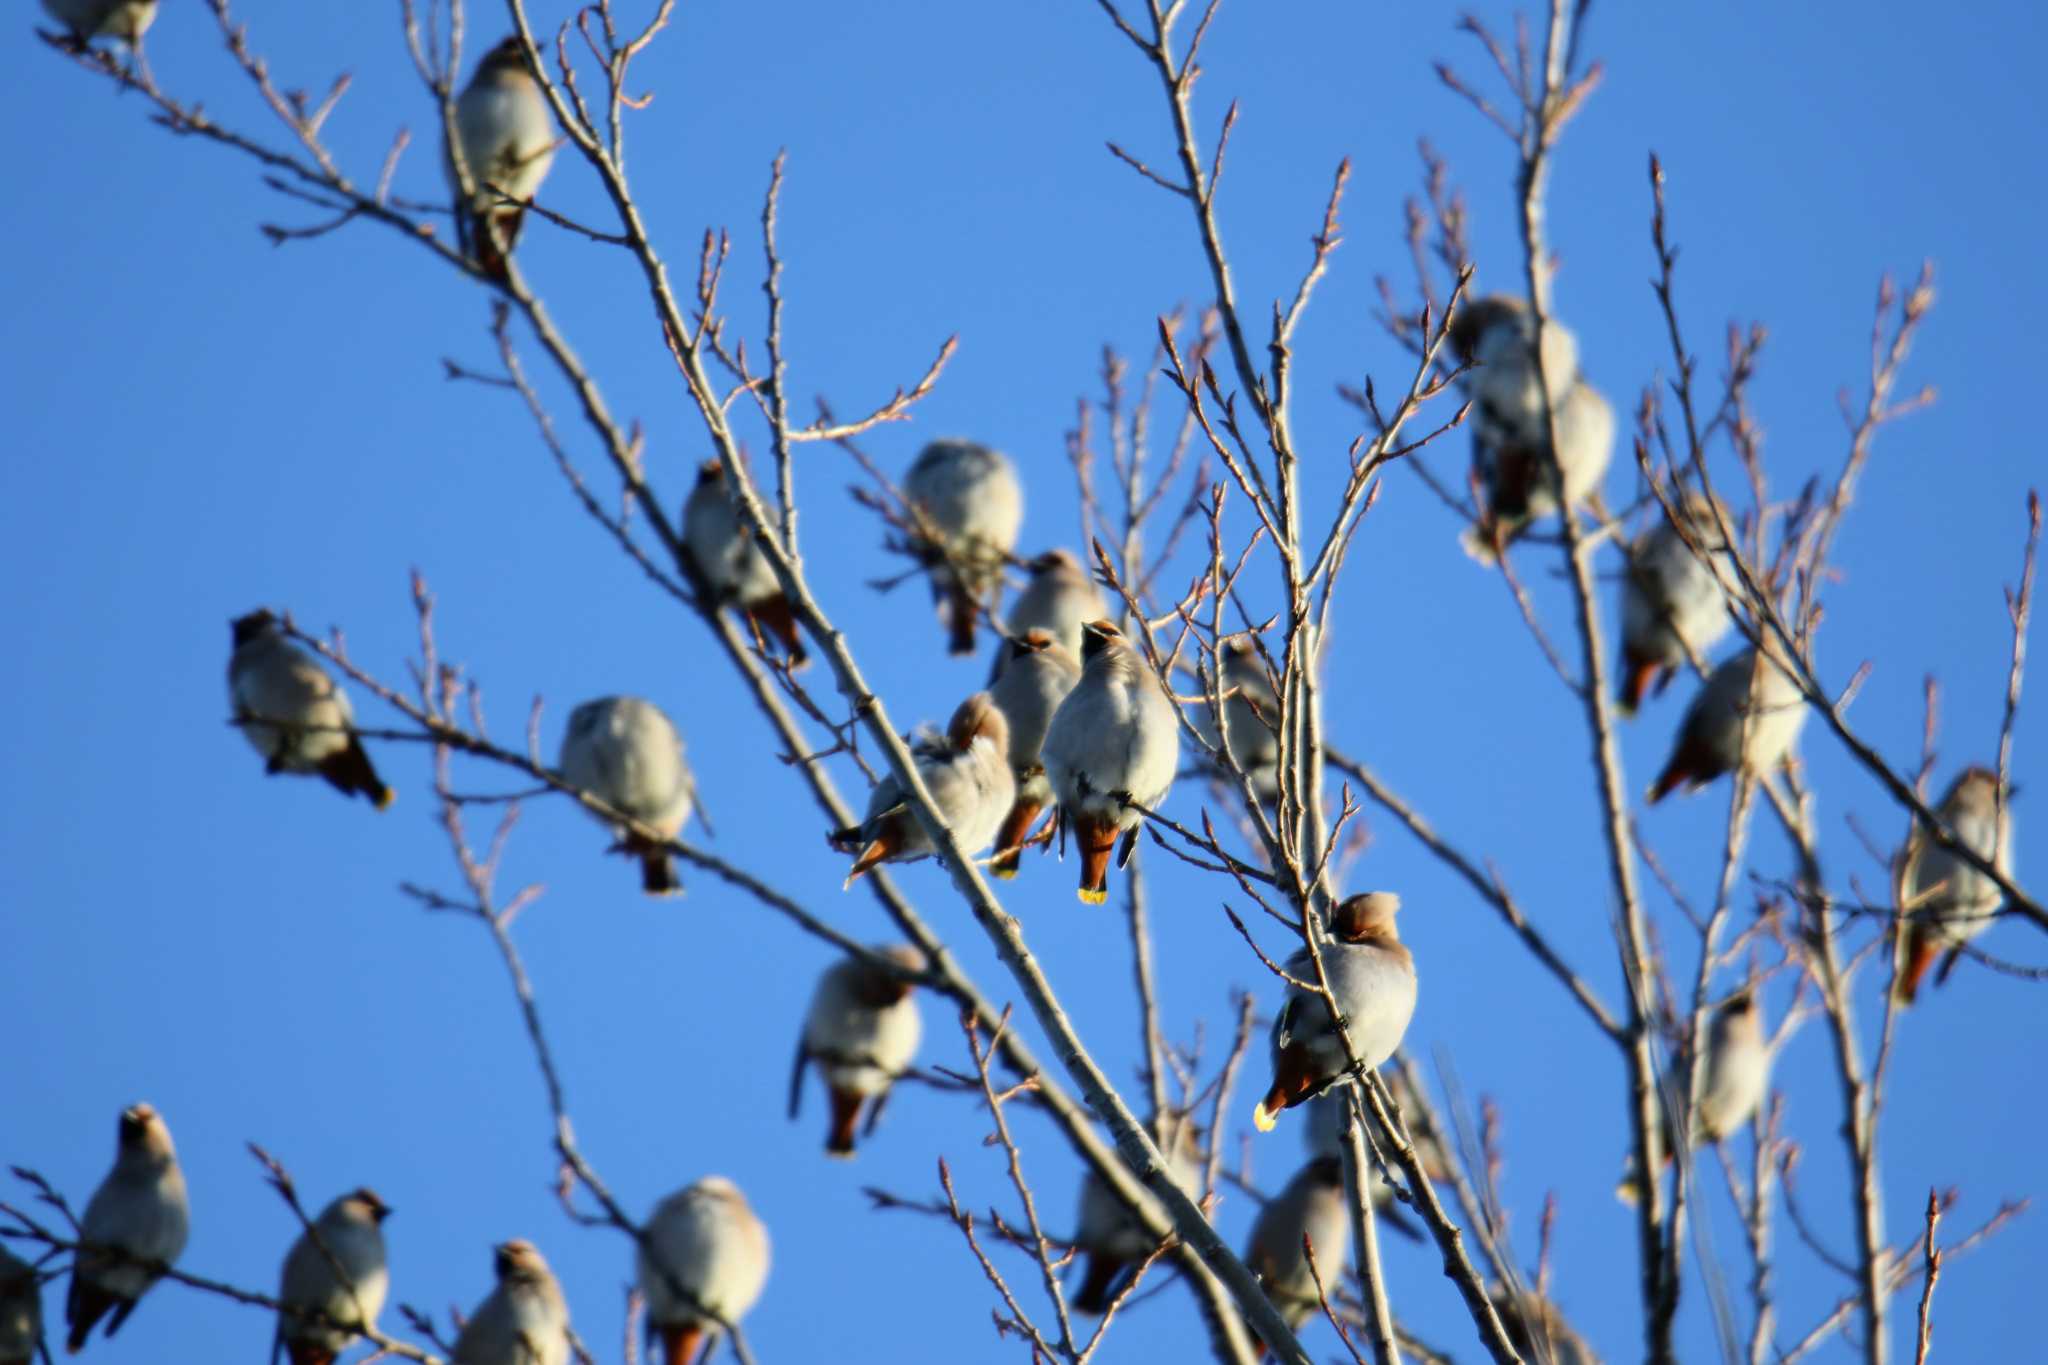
column 311, row 1353
column 83, row 1309
column 958, row 609
column 657, row 869
column 679, row 1343
column 1687, row 767
column 1097, row 1284
column 1096, row 838
column 776, row 619
column 1010, row 838
column 845, row 1122
column 490, row 258
column 1917, row 953
column 1637, row 673
column 886, row 843
column 350, row 772
column 1293, row 1079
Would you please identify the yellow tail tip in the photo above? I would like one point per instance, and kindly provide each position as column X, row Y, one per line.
column 384, row 801
column 1092, row 895
column 1006, row 871
column 1263, row 1118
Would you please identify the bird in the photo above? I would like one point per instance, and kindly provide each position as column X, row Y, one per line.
column 1514, row 412
column 21, row 1311
column 1747, row 714
column 709, row 1262
column 1553, row 1340
column 1113, row 745
column 1313, row 1206
column 1672, row 607
column 507, row 137
column 862, row 1030
column 730, row 566
column 1251, row 717
column 524, row 1320
column 1323, row 1135
column 293, row 714
column 967, row 772
column 1113, row 1238
column 1945, row 901
column 1372, row 975
column 967, row 505
column 1029, row 688
column 1059, row 598
column 89, row 19
column 626, row 752
column 1728, row 1087
column 336, row 1277
column 135, row 1228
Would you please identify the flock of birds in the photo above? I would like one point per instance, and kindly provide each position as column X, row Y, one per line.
column 1073, row 719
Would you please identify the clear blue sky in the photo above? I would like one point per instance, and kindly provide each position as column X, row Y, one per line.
column 204, row 423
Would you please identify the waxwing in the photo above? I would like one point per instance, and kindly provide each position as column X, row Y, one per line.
column 862, row 1031
column 1728, row 1087
column 731, row 567
column 1671, row 603
column 1746, row 714
column 1028, row 689
column 1059, row 599
column 292, row 713
column 1323, row 1135
column 21, row 1311
column 89, row 19
column 134, row 1228
column 1113, row 1238
column 1372, row 976
column 508, row 141
column 626, row 753
column 968, row 505
column 1314, row 1205
column 1251, row 718
column 1947, row 902
column 967, row 772
column 332, row 1306
column 524, row 1320
column 1512, row 422
column 1113, row 743
column 709, row 1261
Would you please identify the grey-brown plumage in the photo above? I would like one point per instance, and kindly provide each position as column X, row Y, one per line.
column 1313, row 1205
column 1059, row 599
column 1946, row 901
column 1114, row 1239
column 332, row 1308
column 507, row 137
column 524, row 1320
column 291, row 711
column 1672, row 606
column 968, row 506
column 134, row 1228
column 1028, row 689
column 862, row 1030
column 709, row 1243
column 88, row 19
column 21, row 1310
column 730, row 566
column 1746, row 715
column 967, row 772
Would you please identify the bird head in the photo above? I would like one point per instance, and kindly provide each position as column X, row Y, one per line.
column 1097, row 636
column 1366, row 916
column 258, row 622
column 978, row 718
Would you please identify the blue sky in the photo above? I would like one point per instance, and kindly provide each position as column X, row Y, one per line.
column 205, row 423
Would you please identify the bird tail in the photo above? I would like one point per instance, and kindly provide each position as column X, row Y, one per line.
column 845, row 1120
column 1477, row 541
column 490, row 258
column 1010, row 838
column 1096, row 837
column 1683, row 768
column 679, row 1343
column 311, row 1353
column 957, row 610
column 776, row 619
column 1636, row 676
column 1917, row 951
column 350, row 772
column 1293, row 1079
column 1097, row 1283
column 884, row 845
column 657, row 869
column 83, row 1309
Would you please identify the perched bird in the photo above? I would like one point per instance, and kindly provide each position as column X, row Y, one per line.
column 1313, row 1206
column 968, row 505
column 1059, row 599
column 862, row 1031
column 967, row 772
column 710, row 1259
column 1251, row 718
column 1372, row 976
column 21, row 1311
column 1729, row 1084
column 1513, row 411
column 90, row 19
column 1945, row 901
column 292, row 713
column 1551, row 1339
column 1113, row 742
column 1671, row 603
column 524, row 1320
column 627, row 754
column 1323, row 1135
column 1028, row 689
column 1747, row 714
column 349, row 1235
column 507, row 138
column 1114, row 1239
column 134, row 1228
column 730, row 565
